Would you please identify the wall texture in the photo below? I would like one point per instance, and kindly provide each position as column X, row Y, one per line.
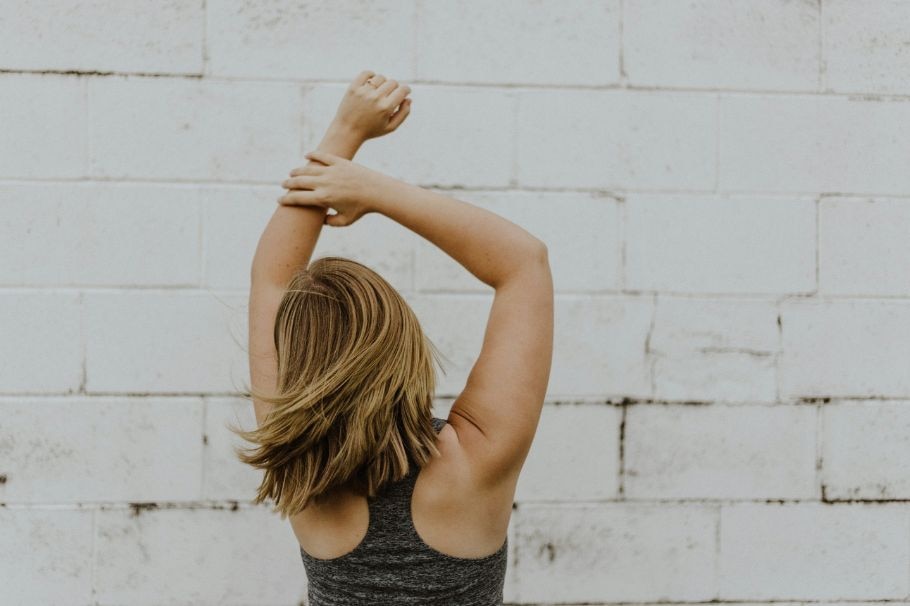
column 723, row 186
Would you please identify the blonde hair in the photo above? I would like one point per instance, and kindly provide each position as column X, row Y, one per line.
column 354, row 391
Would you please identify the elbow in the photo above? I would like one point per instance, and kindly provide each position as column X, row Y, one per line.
column 539, row 252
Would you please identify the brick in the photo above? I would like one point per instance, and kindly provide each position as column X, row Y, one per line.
column 48, row 556
column 179, row 129
column 208, row 556
column 225, row 476
column 859, row 241
column 103, row 35
column 866, row 50
column 178, row 342
column 573, row 441
column 573, row 42
column 109, row 449
column 615, row 552
column 865, row 450
column 720, row 452
column 42, row 119
column 717, row 44
column 722, row 376
column 581, row 260
column 812, row 144
column 746, row 245
column 813, row 551
column 845, row 348
column 42, row 333
column 688, row 324
column 453, row 136
column 616, row 139
column 281, row 40
column 98, row 235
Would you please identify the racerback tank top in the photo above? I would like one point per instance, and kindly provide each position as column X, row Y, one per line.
column 392, row 565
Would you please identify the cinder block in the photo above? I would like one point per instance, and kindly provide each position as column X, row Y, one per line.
column 722, row 376
column 813, row 551
column 454, row 136
column 845, row 348
column 866, row 46
column 581, row 260
column 42, row 335
column 206, row 555
column 166, row 342
column 98, row 235
column 862, row 243
column 688, row 324
column 865, row 450
column 42, row 119
column 225, row 476
column 574, row 456
column 574, row 42
column 102, row 36
column 310, row 39
column 65, row 450
column 716, row 44
column 48, row 556
column 813, row 144
column 615, row 552
column 720, row 452
column 708, row 244
column 616, row 139
column 199, row 130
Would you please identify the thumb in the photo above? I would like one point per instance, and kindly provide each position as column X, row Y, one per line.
column 336, row 220
column 322, row 156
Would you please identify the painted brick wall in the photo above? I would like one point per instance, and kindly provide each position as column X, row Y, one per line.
column 723, row 186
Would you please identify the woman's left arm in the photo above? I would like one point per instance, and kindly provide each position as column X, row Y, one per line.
column 287, row 243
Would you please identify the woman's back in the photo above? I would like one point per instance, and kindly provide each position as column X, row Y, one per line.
column 410, row 544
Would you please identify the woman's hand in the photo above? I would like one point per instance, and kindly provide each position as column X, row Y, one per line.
column 373, row 106
column 330, row 181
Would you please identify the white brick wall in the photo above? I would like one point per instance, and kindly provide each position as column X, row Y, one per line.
column 724, row 191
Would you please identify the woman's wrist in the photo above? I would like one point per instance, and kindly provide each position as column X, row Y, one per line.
column 341, row 140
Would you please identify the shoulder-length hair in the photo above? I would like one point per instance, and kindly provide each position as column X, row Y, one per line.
column 354, row 392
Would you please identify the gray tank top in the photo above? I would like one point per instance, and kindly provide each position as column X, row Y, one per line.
column 392, row 565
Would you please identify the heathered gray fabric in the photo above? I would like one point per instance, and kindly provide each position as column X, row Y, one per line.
column 392, row 565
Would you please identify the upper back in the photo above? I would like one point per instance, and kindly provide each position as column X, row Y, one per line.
column 394, row 564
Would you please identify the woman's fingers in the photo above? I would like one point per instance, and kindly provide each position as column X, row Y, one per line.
column 301, row 182
column 398, row 95
column 398, row 117
column 313, row 169
column 362, row 77
column 376, row 81
column 387, row 87
column 322, row 156
column 302, row 197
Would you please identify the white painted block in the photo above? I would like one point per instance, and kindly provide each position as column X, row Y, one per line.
column 103, row 35
column 226, row 478
column 453, row 135
column 166, row 342
column 310, row 39
column 708, row 244
column 48, row 556
column 42, row 335
column 866, row 446
column 65, row 450
column 866, row 46
column 721, row 44
column 574, row 456
column 180, row 129
column 567, row 42
column 813, row 551
column 197, row 556
column 863, row 246
column 845, row 348
column 99, row 235
column 615, row 552
column 580, row 259
column 42, row 119
column 722, row 376
column 720, row 452
column 616, row 139
column 689, row 324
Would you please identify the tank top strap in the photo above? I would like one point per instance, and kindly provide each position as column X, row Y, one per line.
column 390, row 510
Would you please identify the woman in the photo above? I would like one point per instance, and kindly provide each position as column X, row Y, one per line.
column 390, row 505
